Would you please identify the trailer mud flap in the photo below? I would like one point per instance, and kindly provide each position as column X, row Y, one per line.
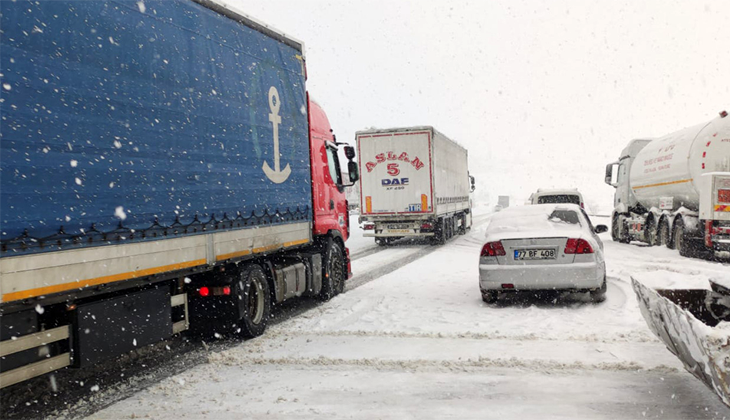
column 119, row 325
column 680, row 319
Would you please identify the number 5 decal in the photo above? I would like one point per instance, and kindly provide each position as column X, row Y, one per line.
column 393, row 169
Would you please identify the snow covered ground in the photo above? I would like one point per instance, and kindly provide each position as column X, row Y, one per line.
column 419, row 343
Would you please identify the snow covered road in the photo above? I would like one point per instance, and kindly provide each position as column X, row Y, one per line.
column 419, row 343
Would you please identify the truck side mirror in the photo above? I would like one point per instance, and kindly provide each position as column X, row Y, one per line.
column 349, row 153
column 353, row 170
column 608, row 179
column 471, row 179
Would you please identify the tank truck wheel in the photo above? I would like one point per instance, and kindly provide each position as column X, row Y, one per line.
column 616, row 230
column 680, row 242
column 255, row 301
column 333, row 276
column 664, row 237
column 652, row 232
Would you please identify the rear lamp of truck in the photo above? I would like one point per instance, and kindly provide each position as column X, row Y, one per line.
column 426, row 226
column 368, row 227
column 578, row 246
column 493, row 249
column 204, row 291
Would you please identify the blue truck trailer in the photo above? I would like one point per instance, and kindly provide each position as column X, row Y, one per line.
column 158, row 171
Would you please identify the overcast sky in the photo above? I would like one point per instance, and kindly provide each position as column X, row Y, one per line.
column 541, row 93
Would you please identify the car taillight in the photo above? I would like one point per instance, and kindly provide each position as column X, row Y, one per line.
column 493, row 249
column 578, row 246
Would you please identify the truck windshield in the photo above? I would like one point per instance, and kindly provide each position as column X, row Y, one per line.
column 559, row 198
column 333, row 163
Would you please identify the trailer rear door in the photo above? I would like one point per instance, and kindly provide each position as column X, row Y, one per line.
column 396, row 173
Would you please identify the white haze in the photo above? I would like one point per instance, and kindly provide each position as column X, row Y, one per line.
column 542, row 93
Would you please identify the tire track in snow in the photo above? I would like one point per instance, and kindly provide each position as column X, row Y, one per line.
column 640, row 336
column 481, row 363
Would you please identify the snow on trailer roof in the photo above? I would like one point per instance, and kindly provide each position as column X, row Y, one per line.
column 233, row 13
column 536, row 221
column 406, row 130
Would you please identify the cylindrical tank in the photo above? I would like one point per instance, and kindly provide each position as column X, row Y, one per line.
column 671, row 166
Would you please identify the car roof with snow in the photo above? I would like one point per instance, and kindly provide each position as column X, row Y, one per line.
column 537, row 221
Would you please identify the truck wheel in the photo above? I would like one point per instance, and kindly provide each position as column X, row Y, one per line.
column 680, row 242
column 333, row 278
column 490, row 296
column 255, row 299
column 439, row 234
column 616, row 231
column 663, row 233
column 651, row 233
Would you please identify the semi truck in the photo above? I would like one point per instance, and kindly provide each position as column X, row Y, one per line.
column 163, row 169
column 415, row 183
column 675, row 190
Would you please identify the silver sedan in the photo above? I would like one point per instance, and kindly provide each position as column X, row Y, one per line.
column 542, row 247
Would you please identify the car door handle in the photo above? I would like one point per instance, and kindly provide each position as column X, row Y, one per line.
column 332, row 204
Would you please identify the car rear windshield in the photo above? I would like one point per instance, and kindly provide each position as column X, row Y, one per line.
column 534, row 219
column 558, row 199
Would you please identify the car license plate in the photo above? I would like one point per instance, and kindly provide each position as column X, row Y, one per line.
column 535, row 254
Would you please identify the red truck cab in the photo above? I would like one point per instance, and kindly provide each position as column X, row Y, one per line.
column 330, row 214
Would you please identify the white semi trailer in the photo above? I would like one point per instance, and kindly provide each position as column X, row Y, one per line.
column 675, row 190
column 415, row 183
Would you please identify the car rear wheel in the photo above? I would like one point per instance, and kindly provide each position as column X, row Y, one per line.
column 599, row 295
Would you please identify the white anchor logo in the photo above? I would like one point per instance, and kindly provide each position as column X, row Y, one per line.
column 276, row 175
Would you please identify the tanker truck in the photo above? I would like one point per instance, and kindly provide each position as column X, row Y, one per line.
column 163, row 169
column 675, row 190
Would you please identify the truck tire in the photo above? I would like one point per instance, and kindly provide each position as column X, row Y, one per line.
column 680, row 241
column 664, row 238
column 490, row 296
column 439, row 234
column 651, row 232
column 255, row 299
column 616, row 230
column 333, row 276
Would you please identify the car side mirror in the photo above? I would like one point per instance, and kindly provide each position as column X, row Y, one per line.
column 601, row 229
column 353, row 170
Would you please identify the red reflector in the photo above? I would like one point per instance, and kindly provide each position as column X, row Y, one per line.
column 508, row 286
column 427, row 226
column 368, row 227
column 723, row 196
column 493, row 249
column 226, row 290
column 204, row 291
column 578, row 246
